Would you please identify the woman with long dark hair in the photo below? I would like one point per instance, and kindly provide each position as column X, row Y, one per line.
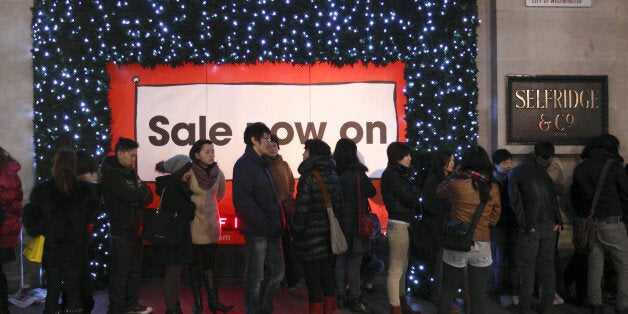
column 467, row 187
column 11, row 205
column 435, row 210
column 349, row 169
column 61, row 210
column 208, row 187
column 175, row 201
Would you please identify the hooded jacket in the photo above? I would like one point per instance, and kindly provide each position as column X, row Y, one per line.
column 125, row 196
column 348, row 217
column 613, row 200
column 63, row 219
column 311, row 224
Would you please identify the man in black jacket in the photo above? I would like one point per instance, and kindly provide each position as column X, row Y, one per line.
column 261, row 223
column 532, row 198
column 610, row 213
column 125, row 196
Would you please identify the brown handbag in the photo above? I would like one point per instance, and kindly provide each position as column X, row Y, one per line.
column 368, row 223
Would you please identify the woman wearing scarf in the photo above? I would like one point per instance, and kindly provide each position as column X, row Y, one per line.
column 466, row 188
column 208, row 185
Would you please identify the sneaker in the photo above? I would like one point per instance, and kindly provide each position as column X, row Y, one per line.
column 515, row 299
column 558, row 299
column 506, row 301
column 357, row 306
column 139, row 309
column 300, row 284
column 341, row 301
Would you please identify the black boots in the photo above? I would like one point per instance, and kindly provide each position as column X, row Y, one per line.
column 195, row 283
column 212, row 293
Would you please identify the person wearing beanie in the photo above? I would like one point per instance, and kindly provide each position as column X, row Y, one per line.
column 208, row 187
column 176, row 201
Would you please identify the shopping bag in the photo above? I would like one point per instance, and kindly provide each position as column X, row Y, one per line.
column 34, row 249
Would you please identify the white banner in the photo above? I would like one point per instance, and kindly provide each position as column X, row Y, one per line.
column 171, row 118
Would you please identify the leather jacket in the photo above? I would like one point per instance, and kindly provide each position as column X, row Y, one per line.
column 532, row 198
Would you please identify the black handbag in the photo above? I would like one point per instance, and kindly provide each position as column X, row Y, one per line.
column 159, row 226
column 458, row 235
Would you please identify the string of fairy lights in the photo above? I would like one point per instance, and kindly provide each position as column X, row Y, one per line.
column 73, row 40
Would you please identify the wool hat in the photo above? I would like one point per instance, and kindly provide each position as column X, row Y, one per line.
column 175, row 163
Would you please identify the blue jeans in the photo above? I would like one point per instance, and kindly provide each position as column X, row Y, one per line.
column 536, row 257
column 124, row 273
column 503, row 244
column 610, row 237
column 260, row 252
column 348, row 272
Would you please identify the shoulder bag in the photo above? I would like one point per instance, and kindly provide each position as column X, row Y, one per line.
column 367, row 222
column 584, row 228
column 458, row 235
column 338, row 241
column 159, row 226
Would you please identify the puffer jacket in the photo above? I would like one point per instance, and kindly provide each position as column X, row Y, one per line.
column 310, row 224
column 613, row 200
column 532, row 197
column 176, row 198
column 400, row 196
column 125, row 197
column 63, row 219
column 254, row 197
column 11, row 200
column 348, row 216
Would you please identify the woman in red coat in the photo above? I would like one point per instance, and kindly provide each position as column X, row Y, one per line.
column 11, row 205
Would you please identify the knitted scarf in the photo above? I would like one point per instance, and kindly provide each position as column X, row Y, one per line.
column 206, row 177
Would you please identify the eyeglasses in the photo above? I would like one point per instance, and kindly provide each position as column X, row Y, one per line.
column 267, row 138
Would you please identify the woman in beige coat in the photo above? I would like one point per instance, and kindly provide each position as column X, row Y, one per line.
column 208, row 185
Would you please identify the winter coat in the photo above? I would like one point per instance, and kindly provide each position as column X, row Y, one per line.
column 613, row 200
column 175, row 198
column 254, row 197
column 464, row 203
column 63, row 219
column 11, row 200
column 400, row 197
column 436, row 211
column 507, row 219
column 532, row 197
column 311, row 224
column 282, row 176
column 206, row 224
column 348, row 215
column 125, row 196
